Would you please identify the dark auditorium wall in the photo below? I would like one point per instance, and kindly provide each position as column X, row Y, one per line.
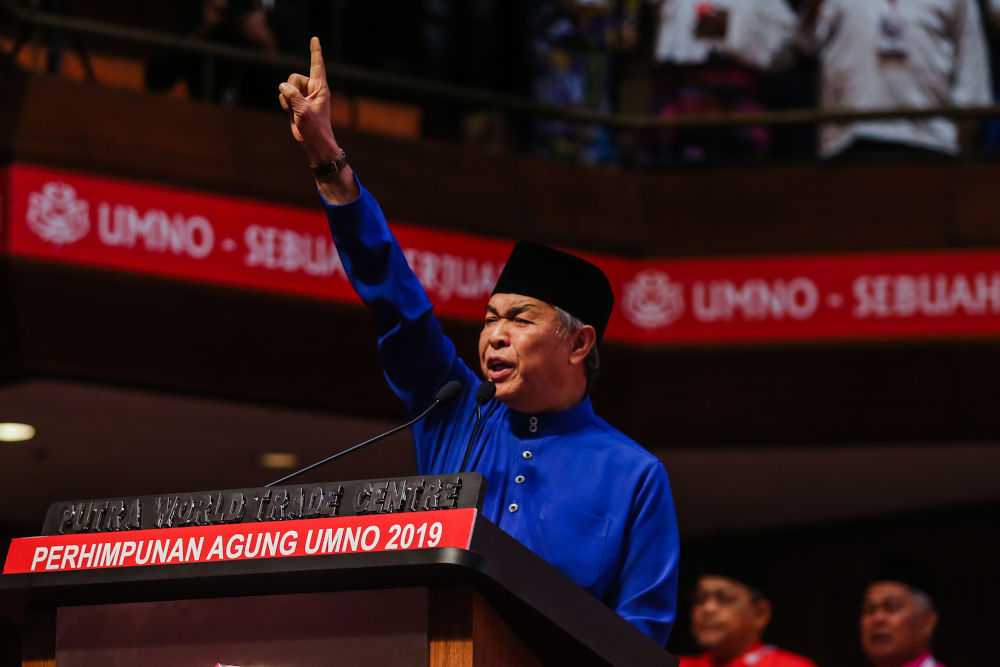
column 914, row 391
column 820, row 575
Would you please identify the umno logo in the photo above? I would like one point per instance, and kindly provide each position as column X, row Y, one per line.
column 56, row 215
column 652, row 300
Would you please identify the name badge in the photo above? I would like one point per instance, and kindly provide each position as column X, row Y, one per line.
column 712, row 23
column 891, row 36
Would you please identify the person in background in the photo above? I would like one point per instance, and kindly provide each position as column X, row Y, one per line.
column 234, row 22
column 573, row 47
column 899, row 614
column 711, row 56
column 991, row 126
column 731, row 611
column 896, row 54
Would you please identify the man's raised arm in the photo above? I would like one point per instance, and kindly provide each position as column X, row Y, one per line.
column 417, row 358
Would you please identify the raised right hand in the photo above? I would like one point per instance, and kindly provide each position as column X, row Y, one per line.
column 307, row 101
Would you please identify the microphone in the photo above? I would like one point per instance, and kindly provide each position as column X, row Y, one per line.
column 484, row 395
column 445, row 394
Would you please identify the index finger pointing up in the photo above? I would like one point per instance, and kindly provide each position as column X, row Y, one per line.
column 317, row 69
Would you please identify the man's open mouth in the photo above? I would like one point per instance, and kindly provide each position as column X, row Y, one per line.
column 499, row 369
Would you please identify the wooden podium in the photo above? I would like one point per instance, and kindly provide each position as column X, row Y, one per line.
column 493, row 604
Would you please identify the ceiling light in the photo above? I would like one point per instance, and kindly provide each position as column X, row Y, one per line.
column 11, row 432
column 279, row 460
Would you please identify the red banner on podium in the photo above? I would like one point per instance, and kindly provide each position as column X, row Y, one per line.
column 242, row 541
column 161, row 231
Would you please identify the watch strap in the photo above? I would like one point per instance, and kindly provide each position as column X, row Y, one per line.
column 332, row 167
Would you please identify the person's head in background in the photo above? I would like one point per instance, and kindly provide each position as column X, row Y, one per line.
column 899, row 613
column 731, row 607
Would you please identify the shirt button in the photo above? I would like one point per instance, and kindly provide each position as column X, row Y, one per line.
column 526, row 455
column 513, row 507
column 519, row 479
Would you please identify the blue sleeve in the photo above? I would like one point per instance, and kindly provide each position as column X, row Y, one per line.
column 416, row 356
column 645, row 592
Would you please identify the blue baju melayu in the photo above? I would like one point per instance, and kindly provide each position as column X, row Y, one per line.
column 571, row 488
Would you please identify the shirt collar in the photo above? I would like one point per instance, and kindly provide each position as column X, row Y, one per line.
column 925, row 660
column 543, row 424
column 748, row 658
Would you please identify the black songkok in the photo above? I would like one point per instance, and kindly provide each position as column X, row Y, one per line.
column 559, row 279
column 739, row 560
column 906, row 570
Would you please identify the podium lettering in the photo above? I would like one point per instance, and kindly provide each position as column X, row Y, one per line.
column 116, row 511
column 203, row 510
column 352, row 538
column 234, row 508
column 362, row 498
column 87, row 555
column 416, row 493
column 83, row 517
column 133, row 517
column 330, row 503
column 289, row 542
column 69, row 556
column 97, row 511
column 234, row 549
column 261, row 498
column 164, row 511
column 432, row 495
column 270, row 544
column 311, row 549
column 294, row 509
column 396, row 495
column 312, row 500
column 276, row 505
column 66, row 520
column 290, row 503
column 183, row 511
column 452, row 488
column 332, row 542
column 377, row 503
column 110, row 555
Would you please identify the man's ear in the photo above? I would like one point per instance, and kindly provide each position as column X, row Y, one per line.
column 929, row 624
column 583, row 342
column 762, row 614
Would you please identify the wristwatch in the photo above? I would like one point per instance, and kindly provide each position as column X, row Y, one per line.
column 332, row 167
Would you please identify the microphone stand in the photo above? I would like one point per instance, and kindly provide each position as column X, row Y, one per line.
column 442, row 397
column 484, row 395
column 472, row 439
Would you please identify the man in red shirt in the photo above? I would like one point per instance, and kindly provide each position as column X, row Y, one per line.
column 731, row 611
column 899, row 616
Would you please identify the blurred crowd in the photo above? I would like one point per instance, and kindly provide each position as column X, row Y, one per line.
column 731, row 609
column 666, row 58
column 724, row 56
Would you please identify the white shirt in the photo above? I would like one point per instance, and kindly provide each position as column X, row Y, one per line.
column 945, row 64
column 759, row 33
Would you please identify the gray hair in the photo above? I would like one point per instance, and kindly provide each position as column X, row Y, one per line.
column 568, row 327
column 922, row 600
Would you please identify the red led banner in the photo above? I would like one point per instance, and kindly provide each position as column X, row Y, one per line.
column 161, row 231
column 272, row 539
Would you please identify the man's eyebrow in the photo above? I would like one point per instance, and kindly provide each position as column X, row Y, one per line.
column 517, row 310
column 514, row 311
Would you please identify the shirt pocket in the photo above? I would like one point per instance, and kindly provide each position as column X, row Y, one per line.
column 574, row 541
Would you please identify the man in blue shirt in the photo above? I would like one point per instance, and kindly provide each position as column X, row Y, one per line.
column 574, row 490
